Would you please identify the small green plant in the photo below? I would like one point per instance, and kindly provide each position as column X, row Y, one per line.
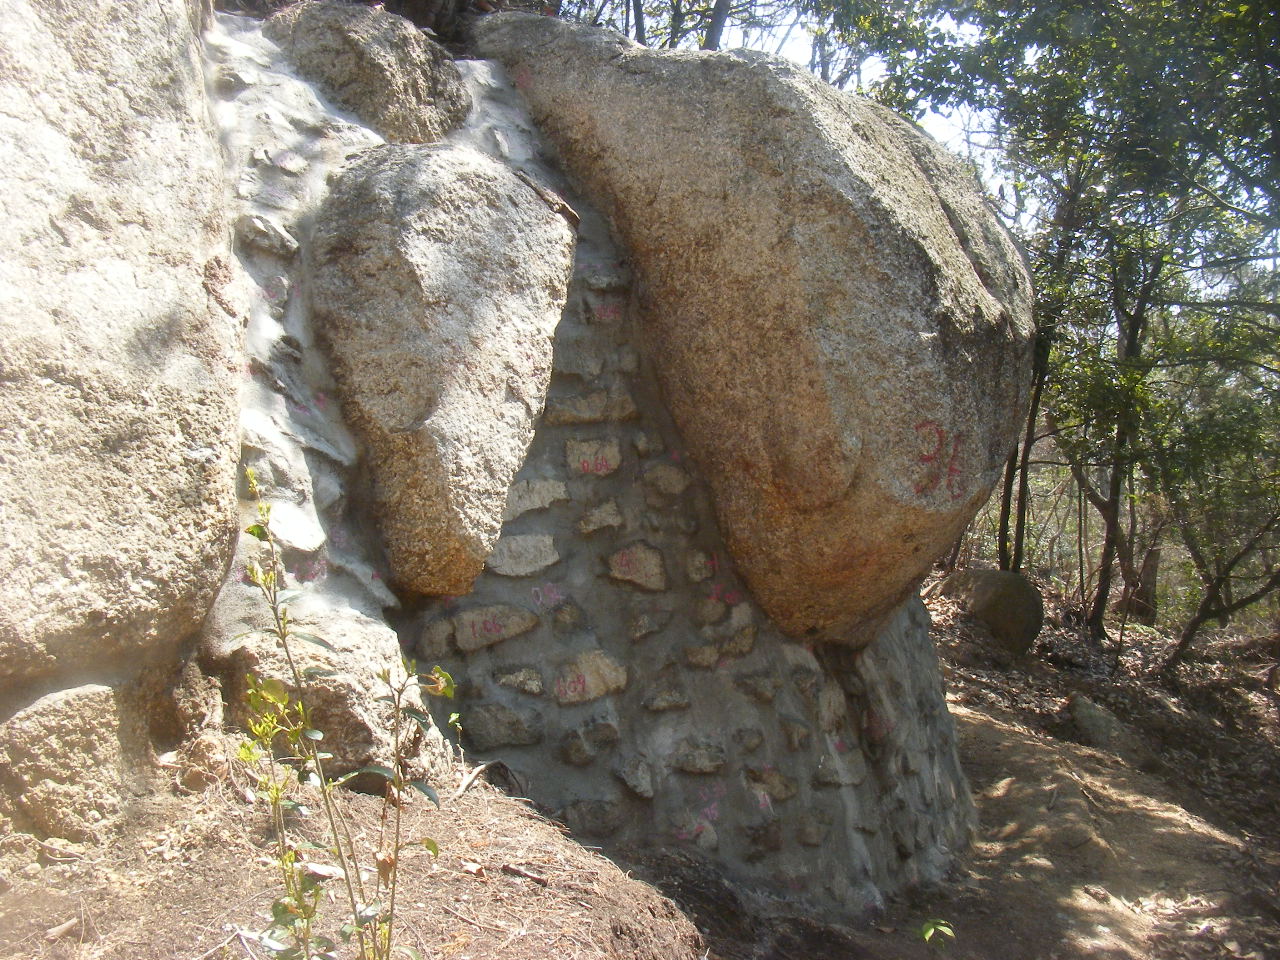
column 938, row 928
column 283, row 741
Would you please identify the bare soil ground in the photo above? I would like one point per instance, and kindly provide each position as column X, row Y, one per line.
column 1166, row 847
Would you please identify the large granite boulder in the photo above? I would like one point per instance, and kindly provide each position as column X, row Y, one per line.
column 119, row 344
column 840, row 325
column 377, row 65
column 1006, row 602
column 437, row 279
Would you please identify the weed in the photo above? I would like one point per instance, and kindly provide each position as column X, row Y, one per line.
column 284, row 741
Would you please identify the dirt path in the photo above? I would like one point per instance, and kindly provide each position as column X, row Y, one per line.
column 1080, row 856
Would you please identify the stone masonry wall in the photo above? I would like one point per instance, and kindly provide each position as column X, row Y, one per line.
column 613, row 660
column 609, row 654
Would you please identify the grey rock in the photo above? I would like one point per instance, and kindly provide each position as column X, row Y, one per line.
column 485, row 626
column 639, row 563
column 699, row 755
column 524, row 554
column 604, row 516
column 377, row 65
column 62, row 763
column 263, row 233
column 343, row 694
column 527, row 495
column 849, row 362
column 1005, row 601
column 120, row 320
column 491, row 725
column 637, row 774
column 442, row 385
column 526, row 680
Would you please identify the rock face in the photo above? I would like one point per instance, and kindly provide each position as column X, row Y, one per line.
column 380, row 67
column 61, row 763
column 293, row 432
column 1005, row 601
column 437, row 279
column 119, row 344
column 840, row 326
column 627, row 677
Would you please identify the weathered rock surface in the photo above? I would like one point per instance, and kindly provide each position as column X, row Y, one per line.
column 438, row 277
column 119, row 343
column 293, row 435
column 841, row 327
column 62, row 763
column 341, row 684
column 377, row 65
column 1005, row 601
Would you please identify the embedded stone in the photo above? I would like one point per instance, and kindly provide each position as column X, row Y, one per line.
column 521, row 555
column 534, row 494
column 263, row 233
column 592, row 458
column 710, row 610
column 568, row 618
column 433, row 642
column 698, row 566
column 740, row 643
column 698, row 755
column 797, row 734
column 764, row 836
column 646, row 444
column 647, row 622
column 832, row 707
column 581, row 746
column 639, row 564
column 577, row 358
column 748, row 738
column 773, row 782
column 489, row 725
column 806, row 684
column 666, row 695
column 603, row 516
column 703, row 656
column 484, row 626
column 594, row 406
column 810, row 831
column 761, row 686
column 638, row 776
column 849, row 770
column 595, row 818
column 666, row 479
column 526, row 680
column 589, row 676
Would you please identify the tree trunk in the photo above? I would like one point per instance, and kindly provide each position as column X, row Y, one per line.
column 1139, row 601
column 1039, row 375
column 1006, row 508
column 719, row 15
column 638, row 7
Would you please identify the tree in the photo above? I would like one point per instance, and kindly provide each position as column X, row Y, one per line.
column 1137, row 142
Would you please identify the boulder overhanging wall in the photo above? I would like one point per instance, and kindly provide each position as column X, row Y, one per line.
column 841, row 327
column 636, row 670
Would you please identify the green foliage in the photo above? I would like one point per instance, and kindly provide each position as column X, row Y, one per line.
column 285, row 748
column 936, row 928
